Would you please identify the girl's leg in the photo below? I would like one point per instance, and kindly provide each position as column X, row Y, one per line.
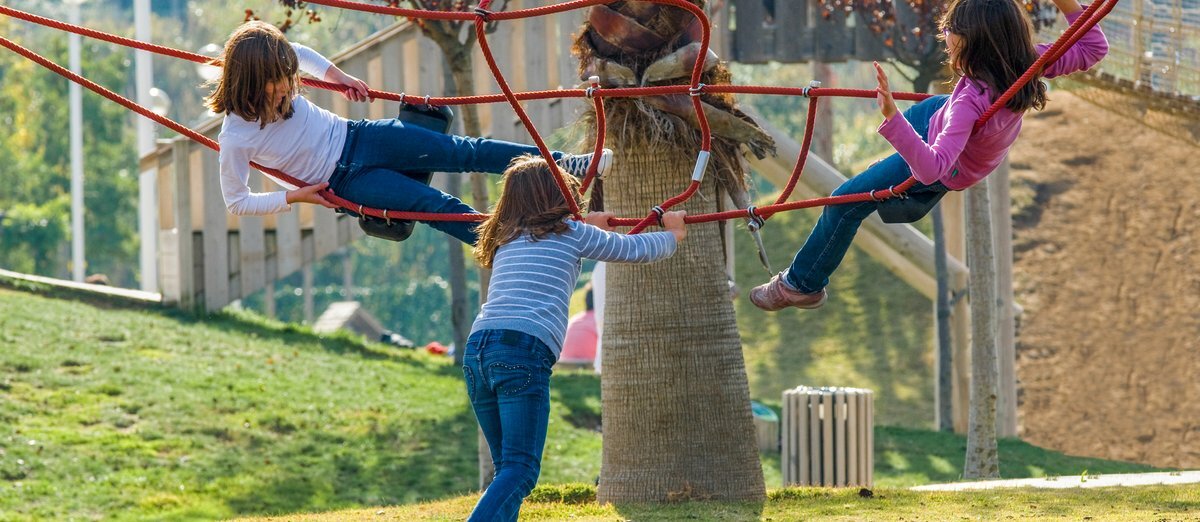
column 518, row 372
column 391, row 144
column 835, row 229
column 483, row 399
column 383, row 188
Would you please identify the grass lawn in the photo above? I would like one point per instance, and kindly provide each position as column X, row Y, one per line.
column 116, row 411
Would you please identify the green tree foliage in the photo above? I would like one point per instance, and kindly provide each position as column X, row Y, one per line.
column 35, row 161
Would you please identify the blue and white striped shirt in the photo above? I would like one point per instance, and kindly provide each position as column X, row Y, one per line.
column 532, row 280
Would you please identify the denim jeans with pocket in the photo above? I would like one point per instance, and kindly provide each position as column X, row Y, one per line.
column 829, row 240
column 508, row 380
column 377, row 153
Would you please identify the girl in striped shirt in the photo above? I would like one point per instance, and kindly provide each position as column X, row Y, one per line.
column 534, row 250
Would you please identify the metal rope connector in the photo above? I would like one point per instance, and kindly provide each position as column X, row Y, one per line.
column 659, row 210
column 402, row 101
column 697, row 90
column 595, row 85
column 701, row 166
column 756, row 221
column 811, row 85
column 483, row 13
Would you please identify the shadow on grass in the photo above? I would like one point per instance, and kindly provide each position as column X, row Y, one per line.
column 692, row 510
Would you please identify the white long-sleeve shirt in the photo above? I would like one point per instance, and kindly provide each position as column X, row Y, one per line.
column 306, row 146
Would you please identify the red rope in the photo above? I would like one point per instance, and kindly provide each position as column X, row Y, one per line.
column 1091, row 16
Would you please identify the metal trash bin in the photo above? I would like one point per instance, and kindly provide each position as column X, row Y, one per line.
column 827, row 437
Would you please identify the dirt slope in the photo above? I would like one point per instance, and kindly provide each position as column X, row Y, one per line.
column 1107, row 248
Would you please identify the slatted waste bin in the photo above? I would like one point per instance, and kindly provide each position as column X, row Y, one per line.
column 827, row 437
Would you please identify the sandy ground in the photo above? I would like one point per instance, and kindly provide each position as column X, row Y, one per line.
column 1107, row 257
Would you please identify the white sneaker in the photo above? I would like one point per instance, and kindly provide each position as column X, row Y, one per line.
column 577, row 164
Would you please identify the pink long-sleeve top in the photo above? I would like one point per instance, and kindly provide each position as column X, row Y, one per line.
column 954, row 155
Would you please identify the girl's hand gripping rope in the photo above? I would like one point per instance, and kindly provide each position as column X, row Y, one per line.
column 311, row 194
column 356, row 89
column 600, row 220
column 673, row 222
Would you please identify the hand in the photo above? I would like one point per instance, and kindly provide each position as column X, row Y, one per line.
column 356, row 89
column 673, row 223
column 883, row 94
column 310, row 194
column 600, row 220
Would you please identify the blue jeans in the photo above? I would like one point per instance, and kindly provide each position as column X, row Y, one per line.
column 378, row 153
column 508, row 381
column 835, row 229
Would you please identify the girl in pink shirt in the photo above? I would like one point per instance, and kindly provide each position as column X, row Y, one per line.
column 989, row 44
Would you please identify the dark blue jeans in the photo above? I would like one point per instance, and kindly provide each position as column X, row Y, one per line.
column 377, row 153
column 508, row 381
column 835, row 229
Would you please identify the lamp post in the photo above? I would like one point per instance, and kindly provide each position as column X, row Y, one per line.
column 75, row 103
column 147, row 178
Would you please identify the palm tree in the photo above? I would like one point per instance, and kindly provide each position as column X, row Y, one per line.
column 677, row 421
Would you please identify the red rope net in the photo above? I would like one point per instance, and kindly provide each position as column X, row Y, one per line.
column 479, row 17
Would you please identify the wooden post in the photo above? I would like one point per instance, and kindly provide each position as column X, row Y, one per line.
column 822, row 141
column 982, row 459
column 960, row 319
column 1006, row 350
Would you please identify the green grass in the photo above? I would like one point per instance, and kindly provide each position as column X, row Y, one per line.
column 116, row 411
column 1156, row 503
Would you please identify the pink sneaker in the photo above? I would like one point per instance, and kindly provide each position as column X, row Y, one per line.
column 777, row 295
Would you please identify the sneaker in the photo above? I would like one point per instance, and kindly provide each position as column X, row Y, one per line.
column 776, row 294
column 577, row 164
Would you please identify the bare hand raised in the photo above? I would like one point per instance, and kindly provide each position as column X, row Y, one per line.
column 883, row 94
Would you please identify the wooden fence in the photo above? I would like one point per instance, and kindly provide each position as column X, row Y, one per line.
column 209, row 258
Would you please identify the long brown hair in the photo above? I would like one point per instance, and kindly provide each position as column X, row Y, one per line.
column 255, row 55
column 530, row 202
column 997, row 48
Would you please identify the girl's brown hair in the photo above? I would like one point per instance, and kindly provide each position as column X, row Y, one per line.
column 530, row 202
column 997, row 48
column 256, row 54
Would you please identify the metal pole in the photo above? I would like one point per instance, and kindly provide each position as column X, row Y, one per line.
column 76, row 135
column 148, row 178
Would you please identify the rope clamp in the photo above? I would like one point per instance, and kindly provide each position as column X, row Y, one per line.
column 697, row 90
column 387, row 219
column 659, row 210
column 902, row 195
column 811, row 85
column 756, row 221
column 427, row 105
column 701, row 166
column 361, row 215
column 483, row 13
column 402, row 102
column 595, row 85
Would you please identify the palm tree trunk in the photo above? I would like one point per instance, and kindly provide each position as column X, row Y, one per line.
column 676, row 402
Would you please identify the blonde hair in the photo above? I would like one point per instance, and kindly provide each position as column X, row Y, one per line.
column 530, row 202
column 256, row 55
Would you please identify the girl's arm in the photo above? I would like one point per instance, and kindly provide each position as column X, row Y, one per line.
column 318, row 66
column 1088, row 51
column 932, row 161
column 603, row 245
column 240, row 201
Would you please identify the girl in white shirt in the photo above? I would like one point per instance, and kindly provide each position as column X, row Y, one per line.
column 268, row 122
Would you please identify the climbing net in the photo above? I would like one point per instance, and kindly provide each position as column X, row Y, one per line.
column 480, row 16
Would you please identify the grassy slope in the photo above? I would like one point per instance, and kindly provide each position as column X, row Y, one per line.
column 135, row 412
